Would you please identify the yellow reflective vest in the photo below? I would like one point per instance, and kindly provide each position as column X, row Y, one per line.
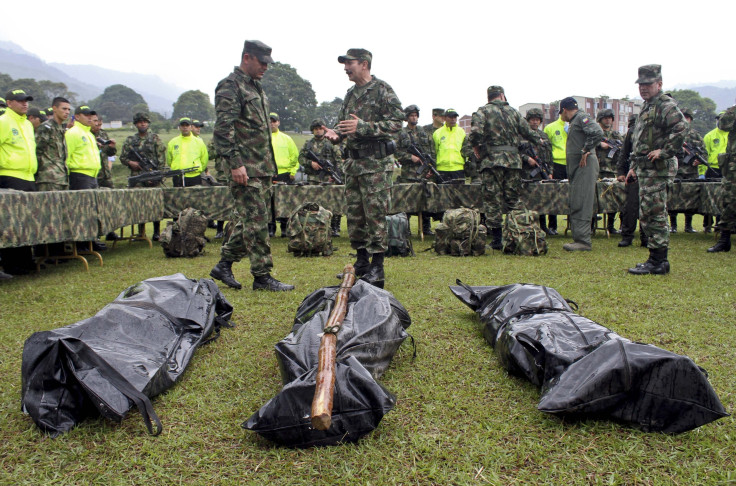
column 448, row 144
column 17, row 147
column 83, row 155
column 558, row 139
column 285, row 153
column 715, row 142
column 185, row 152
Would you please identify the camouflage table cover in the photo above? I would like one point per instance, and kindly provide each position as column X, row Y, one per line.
column 30, row 218
column 214, row 201
column 121, row 207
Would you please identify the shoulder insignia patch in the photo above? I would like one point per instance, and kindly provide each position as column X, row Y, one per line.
column 586, row 120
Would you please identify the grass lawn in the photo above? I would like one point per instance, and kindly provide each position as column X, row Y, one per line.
column 459, row 419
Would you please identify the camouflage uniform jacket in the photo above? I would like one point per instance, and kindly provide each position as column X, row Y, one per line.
column 689, row 171
column 149, row 146
column 608, row 164
column 583, row 135
column 660, row 125
column 423, row 140
column 497, row 130
column 105, row 175
column 325, row 150
column 430, row 129
column 51, row 153
column 222, row 173
column 381, row 115
column 242, row 133
column 544, row 153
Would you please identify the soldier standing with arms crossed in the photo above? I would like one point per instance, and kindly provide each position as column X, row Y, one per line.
column 369, row 120
column 658, row 135
column 243, row 140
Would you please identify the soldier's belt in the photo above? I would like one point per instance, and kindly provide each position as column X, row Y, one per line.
column 380, row 149
column 502, row 148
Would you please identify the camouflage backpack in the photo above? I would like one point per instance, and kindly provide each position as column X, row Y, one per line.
column 309, row 231
column 185, row 237
column 522, row 234
column 399, row 236
column 460, row 233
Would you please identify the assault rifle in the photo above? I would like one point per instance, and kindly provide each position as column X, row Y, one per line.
column 529, row 150
column 614, row 145
column 427, row 164
column 326, row 165
column 696, row 153
column 146, row 164
column 157, row 176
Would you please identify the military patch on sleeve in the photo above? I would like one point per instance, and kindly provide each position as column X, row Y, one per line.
column 586, row 120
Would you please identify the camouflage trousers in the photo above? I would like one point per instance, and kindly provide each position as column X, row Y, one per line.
column 251, row 214
column 50, row 186
column 501, row 187
column 654, row 190
column 582, row 195
column 728, row 195
column 368, row 198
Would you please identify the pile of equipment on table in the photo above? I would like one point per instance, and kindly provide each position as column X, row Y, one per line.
column 586, row 370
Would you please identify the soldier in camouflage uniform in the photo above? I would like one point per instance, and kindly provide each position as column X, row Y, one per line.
column 727, row 163
column 410, row 135
column 658, row 135
column 52, row 173
column 687, row 170
column 583, row 136
column 104, row 178
column 534, row 117
column 630, row 214
column 242, row 138
column 316, row 174
column 150, row 146
column 496, row 133
column 369, row 121
column 606, row 159
column 438, row 119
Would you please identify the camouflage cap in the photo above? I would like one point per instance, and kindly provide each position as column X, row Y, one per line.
column 438, row 111
column 84, row 110
column 258, row 49
column 141, row 117
column 3, row 104
column 185, row 120
column 37, row 113
column 411, row 109
column 356, row 55
column 568, row 103
column 197, row 123
column 274, row 116
column 688, row 113
column 604, row 114
column 495, row 90
column 649, row 73
column 17, row 95
column 317, row 123
column 451, row 112
column 535, row 113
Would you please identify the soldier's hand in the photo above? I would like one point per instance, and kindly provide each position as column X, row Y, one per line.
column 621, row 178
column 416, row 159
column 112, row 143
column 654, row 154
column 631, row 176
column 584, row 160
column 331, row 135
column 605, row 145
column 316, row 166
column 134, row 165
column 532, row 162
column 348, row 127
column 240, row 177
column 476, row 151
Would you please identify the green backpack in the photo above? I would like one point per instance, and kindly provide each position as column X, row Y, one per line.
column 460, row 233
column 185, row 237
column 399, row 236
column 309, row 231
column 522, row 234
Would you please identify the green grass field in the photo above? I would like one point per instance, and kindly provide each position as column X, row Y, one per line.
column 460, row 418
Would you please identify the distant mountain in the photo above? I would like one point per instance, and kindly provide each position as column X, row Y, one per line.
column 722, row 92
column 87, row 81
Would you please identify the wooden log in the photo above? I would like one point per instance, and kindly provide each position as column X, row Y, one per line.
column 324, row 391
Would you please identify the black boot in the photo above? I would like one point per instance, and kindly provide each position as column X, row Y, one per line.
column 375, row 275
column 218, row 232
column 335, row 226
column 427, row 225
column 362, row 263
column 271, row 230
column 626, row 240
column 707, row 223
column 223, row 272
column 611, row 217
column 496, row 242
column 267, row 282
column 283, row 228
column 723, row 243
column 156, row 230
column 689, row 223
column 543, row 223
column 656, row 265
column 673, row 223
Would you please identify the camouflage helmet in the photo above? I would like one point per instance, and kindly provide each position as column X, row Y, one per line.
column 141, row 117
column 317, row 123
column 411, row 109
column 604, row 114
column 534, row 113
column 688, row 113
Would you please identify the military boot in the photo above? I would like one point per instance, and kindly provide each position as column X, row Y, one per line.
column 689, row 224
column 427, row 225
column 375, row 275
column 223, row 272
column 657, row 264
column 282, row 223
column 218, row 233
column 707, row 223
column 335, row 226
column 611, row 217
column 723, row 243
column 271, row 230
column 156, row 231
column 362, row 263
column 497, row 241
column 543, row 224
column 267, row 282
column 673, row 223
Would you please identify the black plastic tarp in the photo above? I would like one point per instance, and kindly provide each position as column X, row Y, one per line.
column 585, row 369
column 373, row 330
column 132, row 350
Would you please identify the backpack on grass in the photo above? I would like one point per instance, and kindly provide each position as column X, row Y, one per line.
column 460, row 233
column 185, row 237
column 308, row 230
column 522, row 234
column 399, row 236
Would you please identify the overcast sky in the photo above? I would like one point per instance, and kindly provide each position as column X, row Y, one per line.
column 442, row 54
